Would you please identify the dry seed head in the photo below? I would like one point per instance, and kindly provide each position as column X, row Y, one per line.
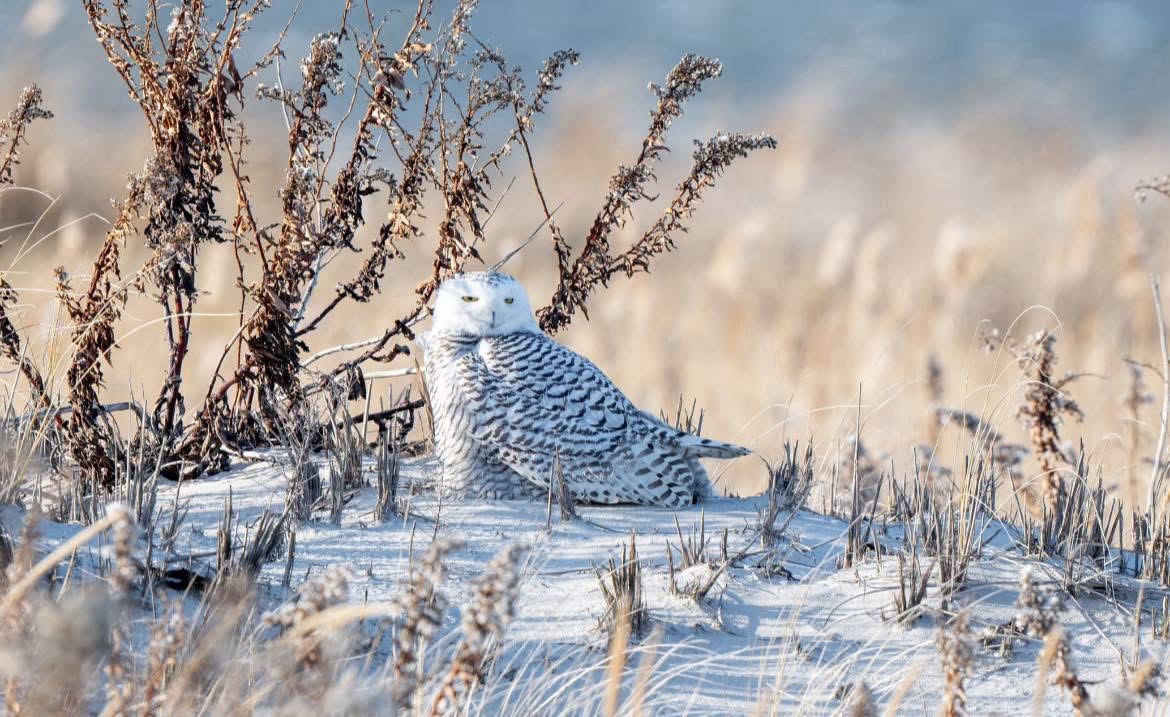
column 1144, row 681
column 1161, row 185
column 59, row 647
column 1037, row 607
column 315, row 595
column 120, row 552
column 1045, row 403
column 484, row 620
column 860, row 701
column 25, row 555
column 423, row 608
column 15, row 125
column 595, row 265
column 494, row 604
column 167, row 637
column 320, row 592
column 957, row 652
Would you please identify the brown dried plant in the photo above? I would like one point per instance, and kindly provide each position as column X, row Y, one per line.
column 186, row 80
column 13, row 131
column 1056, row 657
column 595, row 263
column 94, row 313
column 790, row 482
column 698, row 566
column 453, row 93
column 185, row 88
column 913, row 582
column 860, row 474
column 1038, row 611
column 1044, row 408
column 166, row 642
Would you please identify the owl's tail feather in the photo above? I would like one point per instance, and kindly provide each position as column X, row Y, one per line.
column 698, row 447
column 700, row 482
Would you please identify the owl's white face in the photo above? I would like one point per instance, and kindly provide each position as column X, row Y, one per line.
column 483, row 303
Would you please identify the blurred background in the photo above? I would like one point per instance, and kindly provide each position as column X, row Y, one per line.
column 943, row 168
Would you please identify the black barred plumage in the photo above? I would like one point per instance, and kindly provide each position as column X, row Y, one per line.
column 507, row 401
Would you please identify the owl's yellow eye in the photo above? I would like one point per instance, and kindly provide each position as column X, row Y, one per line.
column 508, row 300
column 470, row 299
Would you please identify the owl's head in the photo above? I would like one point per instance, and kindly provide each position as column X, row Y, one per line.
column 483, row 303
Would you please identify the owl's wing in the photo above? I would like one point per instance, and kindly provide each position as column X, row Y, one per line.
column 531, row 400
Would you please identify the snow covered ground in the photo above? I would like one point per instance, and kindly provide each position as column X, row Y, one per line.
column 757, row 640
column 762, row 641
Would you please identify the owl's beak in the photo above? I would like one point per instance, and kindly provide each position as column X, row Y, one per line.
column 493, row 318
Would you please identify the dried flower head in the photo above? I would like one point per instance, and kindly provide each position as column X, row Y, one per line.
column 484, row 620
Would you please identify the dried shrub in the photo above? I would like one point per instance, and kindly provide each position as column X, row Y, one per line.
column 790, row 482
column 389, row 467
column 858, row 478
column 595, row 263
column 237, row 564
column 93, row 314
column 857, row 484
column 688, row 419
column 1045, row 405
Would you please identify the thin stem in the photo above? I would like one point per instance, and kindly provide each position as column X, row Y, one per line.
column 1156, row 478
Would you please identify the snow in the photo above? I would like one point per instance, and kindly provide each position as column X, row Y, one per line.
column 759, row 641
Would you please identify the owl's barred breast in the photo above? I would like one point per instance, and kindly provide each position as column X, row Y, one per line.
column 468, row 470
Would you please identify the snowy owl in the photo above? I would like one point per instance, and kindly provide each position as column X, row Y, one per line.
column 506, row 399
